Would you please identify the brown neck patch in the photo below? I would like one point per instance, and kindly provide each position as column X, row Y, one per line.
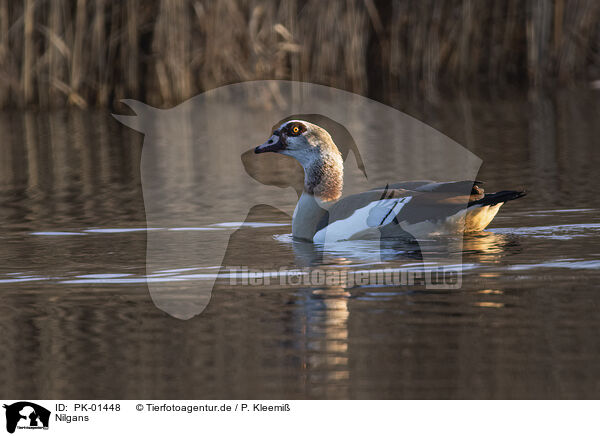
column 325, row 178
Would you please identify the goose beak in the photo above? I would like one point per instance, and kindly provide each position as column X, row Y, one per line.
column 275, row 144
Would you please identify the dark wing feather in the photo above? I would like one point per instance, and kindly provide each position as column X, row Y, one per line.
column 462, row 187
column 433, row 201
column 497, row 197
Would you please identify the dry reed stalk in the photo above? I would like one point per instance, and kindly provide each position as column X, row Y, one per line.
column 171, row 49
column 580, row 24
column 29, row 55
column 98, row 52
column 59, row 51
column 334, row 54
column 397, row 48
column 111, row 49
column 4, row 52
column 431, row 65
column 559, row 11
column 538, row 31
column 132, row 47
column 355, row 56
column 78, row 59
column 171, row 45
column 495, row 58
column 465, row 37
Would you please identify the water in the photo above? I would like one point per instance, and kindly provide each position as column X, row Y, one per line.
column 77, row 319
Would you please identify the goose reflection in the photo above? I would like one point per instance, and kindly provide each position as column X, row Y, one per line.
column 349, row 252
column 488, row 245
column 326, row 334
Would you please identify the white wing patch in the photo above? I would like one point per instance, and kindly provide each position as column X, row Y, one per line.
column 368, row 218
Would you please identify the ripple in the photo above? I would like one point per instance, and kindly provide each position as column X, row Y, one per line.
column 102, row 276
column 58, row 233
column 23, row 279
column 565, row 231
column 579, row 264
column 249, row 224
column 192, row 229
column 139, row 229
column 539, row 212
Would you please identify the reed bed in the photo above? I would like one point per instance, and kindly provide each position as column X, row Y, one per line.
column 94, row 52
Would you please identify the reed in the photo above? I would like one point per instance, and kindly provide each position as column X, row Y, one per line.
column 79, row 52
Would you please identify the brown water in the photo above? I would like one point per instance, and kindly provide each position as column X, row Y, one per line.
column 77, row 320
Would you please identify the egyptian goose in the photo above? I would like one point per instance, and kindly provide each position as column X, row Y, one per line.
column 407, row 209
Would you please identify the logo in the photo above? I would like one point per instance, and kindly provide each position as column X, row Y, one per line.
column 26, row 415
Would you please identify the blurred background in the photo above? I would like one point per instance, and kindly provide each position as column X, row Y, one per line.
column 514, row 81
column 93, row 53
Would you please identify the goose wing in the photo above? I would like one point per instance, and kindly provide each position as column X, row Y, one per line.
column 460, row 187
column 360, row 215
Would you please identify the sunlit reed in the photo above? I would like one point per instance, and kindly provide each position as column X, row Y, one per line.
column 85, row 53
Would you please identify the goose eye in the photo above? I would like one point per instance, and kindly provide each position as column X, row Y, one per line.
column 295, row 130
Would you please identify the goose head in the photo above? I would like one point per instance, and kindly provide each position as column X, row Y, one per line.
column 314, row 149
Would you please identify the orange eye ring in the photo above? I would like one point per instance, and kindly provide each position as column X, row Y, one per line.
column 295, row 129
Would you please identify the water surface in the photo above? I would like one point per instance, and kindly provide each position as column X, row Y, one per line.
column 77, row 320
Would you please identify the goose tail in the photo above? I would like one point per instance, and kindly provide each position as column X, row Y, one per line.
column 497, row 197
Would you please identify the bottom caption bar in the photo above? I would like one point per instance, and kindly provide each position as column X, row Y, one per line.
column 250, row 417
